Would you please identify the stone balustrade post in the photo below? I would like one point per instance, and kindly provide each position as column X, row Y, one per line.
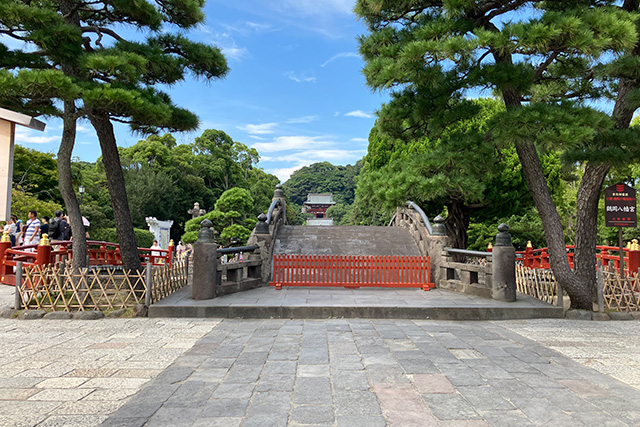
column 205, row 263
column 503, row 266
column 438, row 240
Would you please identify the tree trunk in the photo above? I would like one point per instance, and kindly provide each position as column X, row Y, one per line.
column 584, row 265
column 65, row 184
column 117, row 191
column 457, row 224
column 579, row 291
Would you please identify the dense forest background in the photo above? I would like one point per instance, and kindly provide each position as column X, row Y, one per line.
column 163, row 180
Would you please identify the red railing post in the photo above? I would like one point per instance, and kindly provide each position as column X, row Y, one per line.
column 170, row 248
column 43, row 252
column 634, row 257
column 5, row 244
column 528, row 255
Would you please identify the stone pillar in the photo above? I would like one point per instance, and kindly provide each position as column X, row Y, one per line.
column 7, row 132
column 438, row 240
column 503, row 266
column 205, row 264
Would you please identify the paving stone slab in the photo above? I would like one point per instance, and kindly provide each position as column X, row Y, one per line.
column 364, row 380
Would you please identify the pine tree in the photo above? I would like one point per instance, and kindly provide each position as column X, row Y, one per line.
column 544, row 59
column 77, row 63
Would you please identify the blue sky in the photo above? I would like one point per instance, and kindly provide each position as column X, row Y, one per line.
column 295, row 91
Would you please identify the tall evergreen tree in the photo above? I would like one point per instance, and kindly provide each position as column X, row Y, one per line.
column 78, row 63
column 544, row 59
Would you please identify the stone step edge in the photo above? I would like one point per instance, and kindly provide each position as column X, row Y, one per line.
column 326, row 312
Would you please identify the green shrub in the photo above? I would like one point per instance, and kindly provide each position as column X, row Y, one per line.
column 143, row 237
column 189, row 237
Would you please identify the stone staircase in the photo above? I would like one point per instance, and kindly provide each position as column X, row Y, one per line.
column 344, row 240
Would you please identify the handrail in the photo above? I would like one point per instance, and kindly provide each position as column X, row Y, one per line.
column 422, row 214
column 238, row 249
column 272, row 206
column 468, row 252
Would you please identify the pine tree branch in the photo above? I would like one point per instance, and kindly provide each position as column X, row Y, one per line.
column 542, row 68
column 99, row 31
column 13, row 35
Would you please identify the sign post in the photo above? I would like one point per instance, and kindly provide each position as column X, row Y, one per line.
column 620, row 211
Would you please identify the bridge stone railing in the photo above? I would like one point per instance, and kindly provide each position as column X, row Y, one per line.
column 486, row 274
column 213, row 278
column 429, row 239
column 264, row 235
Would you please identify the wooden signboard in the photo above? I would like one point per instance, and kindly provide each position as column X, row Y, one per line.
column 620, row 211
column 620, row 206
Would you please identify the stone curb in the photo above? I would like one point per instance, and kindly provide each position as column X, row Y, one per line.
column 601, row 317
column 9, row 313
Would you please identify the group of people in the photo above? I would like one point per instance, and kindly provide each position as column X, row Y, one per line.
column 29, row 232
column 183, row 250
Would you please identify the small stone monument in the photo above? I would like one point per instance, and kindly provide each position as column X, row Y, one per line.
column 196, row 211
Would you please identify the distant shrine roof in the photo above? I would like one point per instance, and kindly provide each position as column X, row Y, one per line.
column 320, row 199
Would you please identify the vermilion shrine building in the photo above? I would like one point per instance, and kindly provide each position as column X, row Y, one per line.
column 317, row 205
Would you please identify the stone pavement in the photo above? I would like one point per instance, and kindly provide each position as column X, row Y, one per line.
column 76, row 372
column 612, row 348
column 360, row 372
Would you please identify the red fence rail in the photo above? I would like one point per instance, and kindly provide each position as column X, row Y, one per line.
column 539, row 258
column 352, row 271
column 99, row 253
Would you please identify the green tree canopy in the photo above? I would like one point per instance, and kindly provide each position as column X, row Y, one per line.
column 323, row 177
column 543, row 59
column 77, row 62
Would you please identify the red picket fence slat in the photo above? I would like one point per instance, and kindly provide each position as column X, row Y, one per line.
column 352, row 271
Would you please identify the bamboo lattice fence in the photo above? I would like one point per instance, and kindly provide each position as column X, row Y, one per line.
column 620, row 293
column 538, row 283
column 56, row 288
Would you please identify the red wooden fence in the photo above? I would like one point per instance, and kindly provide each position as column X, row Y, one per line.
column 45, row 253
column 352, row 271
column 539, row 258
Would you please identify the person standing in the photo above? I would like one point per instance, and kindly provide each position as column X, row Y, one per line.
column 10, row 228
column 59, row 227
column 32, row 233
column 155, row 254
column 44, row 227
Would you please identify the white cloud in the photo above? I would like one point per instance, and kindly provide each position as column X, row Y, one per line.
column 81, row 128
column 336, row 114
column 232, row 51
column 224, row 41
column 300, row 79
column 315, row 7
column 284, row 173
column 308, row 157
column 285, row 143
column 303, row 119
column 359, row 113
column 27, row 136
column 313, row 156
column 340, row 55
column 359, row 140
column 261, row 129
